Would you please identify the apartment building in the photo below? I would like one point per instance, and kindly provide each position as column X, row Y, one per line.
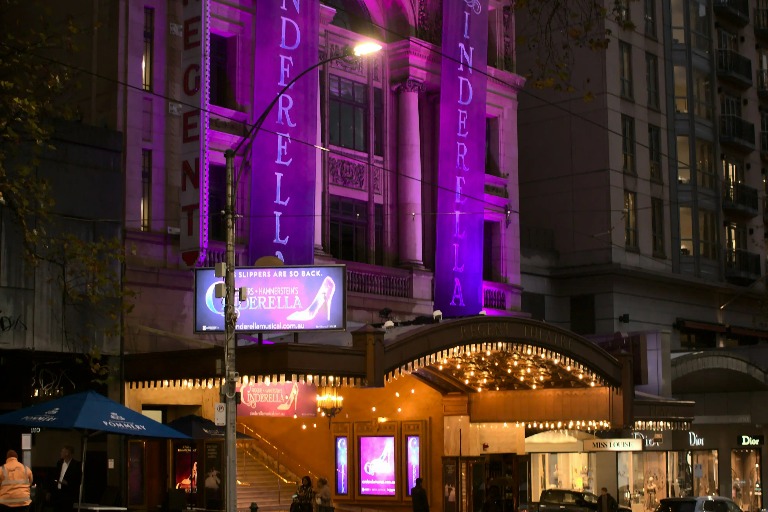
column 643, row 214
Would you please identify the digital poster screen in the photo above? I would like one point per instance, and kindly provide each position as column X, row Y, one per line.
column 377, row 465
column 342, row 465
column 412, row 455
column 275, row 299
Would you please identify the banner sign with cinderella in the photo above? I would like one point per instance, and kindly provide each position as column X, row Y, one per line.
column 287, row 399
column 277, row 299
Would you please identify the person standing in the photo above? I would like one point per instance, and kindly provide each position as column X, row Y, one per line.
column 305, row 495
column 323, row 495
column 606, row 502
column 66, row 488
column 419, row 497
column 15, row 483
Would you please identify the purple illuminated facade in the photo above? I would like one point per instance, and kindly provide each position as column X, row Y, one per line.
column 461, row 163
column 283, row 155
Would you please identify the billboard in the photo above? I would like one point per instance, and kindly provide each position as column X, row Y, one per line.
column 413, row 448
column 278, row 299
column 284, row 399
column 377, row 465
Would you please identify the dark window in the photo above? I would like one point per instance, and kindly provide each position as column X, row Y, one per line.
column 217, row 198
column 349, row 230
column 625, row 69
column 348, row 114
column 222, row 71
column 149, row 42
column 378, row 122
column 654, row 152
column 146, row 189
column 657, row 226
column 630, row 220
column 583, row 314
column 491, row 235
column 652, row 79
column 650, row 18
column 628, row 143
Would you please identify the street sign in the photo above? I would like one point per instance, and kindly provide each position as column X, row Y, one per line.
column 220, row 414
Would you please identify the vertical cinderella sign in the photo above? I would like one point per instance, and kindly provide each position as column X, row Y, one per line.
column 283, row 175
column 461, row 171
column 193, row 197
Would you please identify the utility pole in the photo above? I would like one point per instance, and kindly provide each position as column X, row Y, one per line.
column 230, row 319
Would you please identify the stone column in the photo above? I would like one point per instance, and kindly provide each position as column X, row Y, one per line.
column 409, row 178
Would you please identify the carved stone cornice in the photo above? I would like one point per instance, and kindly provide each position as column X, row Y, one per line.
column 409, row 85
column 347, row 174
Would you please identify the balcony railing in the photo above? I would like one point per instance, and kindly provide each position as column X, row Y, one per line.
column 738, row 132
column 739, row 198
column 736, row 11
column 499, row 296
column 742, row 266
column 375, row 280
column 735, row 67
column 761, row 22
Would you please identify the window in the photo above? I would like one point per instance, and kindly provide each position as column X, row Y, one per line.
column 683, row 160
column 349, row 230
column 630, row 220
column 217, row 199
column 650, row 18
column 733, row 170
column 348, row 115
column 146, row 189
column 625, row 69
column 491, row 251
column 708, row 234
column 686, row 231
column 149, row 41
column 657, row 226
column 654, row 152
column 652, row 79
column 223, row 59
column 628, row 143
column 492, row 146
column 681, row 90
column 583, row 314
column 705, row 164
column 702, row 95
column 621, row 9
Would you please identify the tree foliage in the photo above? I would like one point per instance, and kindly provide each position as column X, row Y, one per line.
column 34, row 80
column 556, row 30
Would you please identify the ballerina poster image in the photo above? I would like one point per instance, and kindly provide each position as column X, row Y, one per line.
column 377, row 461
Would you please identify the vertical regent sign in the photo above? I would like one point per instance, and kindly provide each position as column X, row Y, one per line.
column 282, row 214
column 193, row 197
column 461, row 171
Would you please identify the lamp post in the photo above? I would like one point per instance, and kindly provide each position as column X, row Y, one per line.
column 230, row 315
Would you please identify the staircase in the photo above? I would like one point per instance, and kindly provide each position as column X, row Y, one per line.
column 258, row 480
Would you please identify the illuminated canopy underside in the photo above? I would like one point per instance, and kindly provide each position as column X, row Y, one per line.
column 500, row 366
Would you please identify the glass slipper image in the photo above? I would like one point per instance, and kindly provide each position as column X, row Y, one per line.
column 323, row 298
column 291, row 400
column 383, row 464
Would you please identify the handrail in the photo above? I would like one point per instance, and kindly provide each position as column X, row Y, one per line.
column 304, row 470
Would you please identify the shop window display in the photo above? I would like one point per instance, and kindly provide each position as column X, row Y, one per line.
column 642, row 479
column 746, row 487
column 562, row 471
column 693, row 473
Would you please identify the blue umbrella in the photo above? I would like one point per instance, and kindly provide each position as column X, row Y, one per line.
column 92, row 413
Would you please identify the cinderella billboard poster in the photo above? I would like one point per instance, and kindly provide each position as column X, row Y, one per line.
column 289, row 298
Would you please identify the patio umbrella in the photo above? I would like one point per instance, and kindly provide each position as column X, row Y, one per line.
column 198, row 427
column 91, row 413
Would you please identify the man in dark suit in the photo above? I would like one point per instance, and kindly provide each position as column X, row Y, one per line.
column 66, row 486
column 419, row 497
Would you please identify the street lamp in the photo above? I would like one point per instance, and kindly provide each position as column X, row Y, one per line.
column 230, row 315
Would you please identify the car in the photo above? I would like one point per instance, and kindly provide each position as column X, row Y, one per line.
column 568, row 500
column 698, row 504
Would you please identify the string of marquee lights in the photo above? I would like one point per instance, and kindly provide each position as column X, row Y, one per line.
column 500, row 365
column 326, row 381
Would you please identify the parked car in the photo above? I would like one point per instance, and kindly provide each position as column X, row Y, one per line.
column 567, row 500
column 698, row 504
